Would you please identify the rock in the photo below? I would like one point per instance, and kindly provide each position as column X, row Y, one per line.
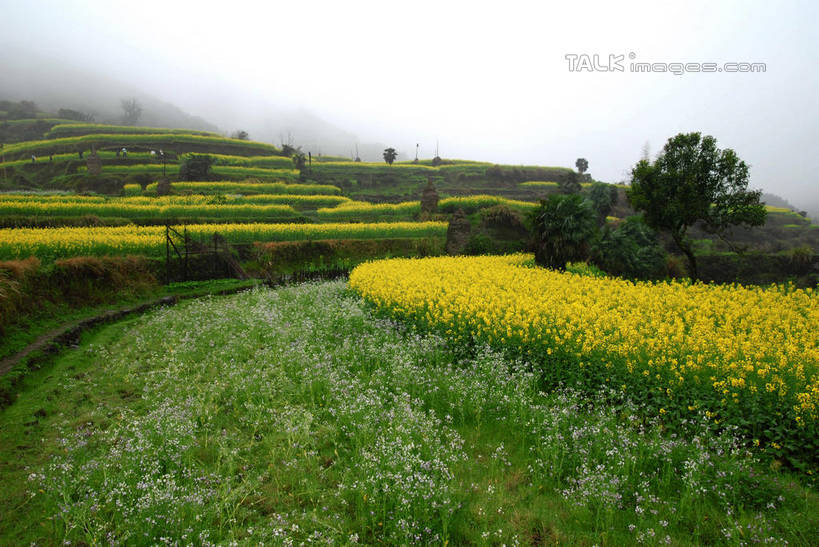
column 429, row 199
column 458, row 232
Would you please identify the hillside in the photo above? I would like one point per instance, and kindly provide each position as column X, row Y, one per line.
column 249, row 181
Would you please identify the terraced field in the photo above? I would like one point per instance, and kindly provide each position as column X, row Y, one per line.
column 53, row 243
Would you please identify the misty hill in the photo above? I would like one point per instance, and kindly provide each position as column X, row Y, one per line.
column 53, row 86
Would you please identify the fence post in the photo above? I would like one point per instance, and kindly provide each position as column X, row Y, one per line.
column 215, row 260
column 167, row 254
column 186, row 253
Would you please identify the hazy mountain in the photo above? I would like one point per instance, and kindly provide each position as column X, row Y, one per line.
column 53, row 85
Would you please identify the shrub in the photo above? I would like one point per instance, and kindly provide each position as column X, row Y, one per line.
column 631, row 250
column 196, row 167
column 290, row 256
column 603, row 197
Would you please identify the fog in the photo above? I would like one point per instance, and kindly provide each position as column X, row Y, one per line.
column 487, row 83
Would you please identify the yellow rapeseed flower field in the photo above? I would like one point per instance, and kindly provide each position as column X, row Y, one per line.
column 744, row 356
column 52, row 243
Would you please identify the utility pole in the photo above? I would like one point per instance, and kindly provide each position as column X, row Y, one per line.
column 416, row 152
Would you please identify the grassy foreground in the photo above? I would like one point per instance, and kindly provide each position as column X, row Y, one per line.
column 293, row 415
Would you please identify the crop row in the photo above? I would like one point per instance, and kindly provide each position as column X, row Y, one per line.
column 53, row 243
column 268, row 162
column 177, row 143
column 224, row 187
column 62, row 158
column 123, row 209
column 362, row 210
column 226, row 171
column 470, row 204
column 12, row 204
column 746, row 357
column 78, row 129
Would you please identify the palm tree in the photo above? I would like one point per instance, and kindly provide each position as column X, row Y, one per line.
column 389, row 155
column 563, row 227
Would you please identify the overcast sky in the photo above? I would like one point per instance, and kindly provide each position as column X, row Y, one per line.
column 490, row 83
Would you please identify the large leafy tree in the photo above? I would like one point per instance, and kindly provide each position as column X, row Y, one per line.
column 563, row 227
column 570, row 183
column 389, row 155
column 694, row 181
column 582, row 165
column 603, row 197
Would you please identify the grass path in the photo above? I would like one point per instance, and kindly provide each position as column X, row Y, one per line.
column 293, row 415
column 70, row 332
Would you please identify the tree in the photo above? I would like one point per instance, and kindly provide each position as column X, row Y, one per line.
column 645, row 152
column 691, row 181
column 389, row 155
column 132, row 111
column 196, row 167
column 570, row 184
column 603, row 197
column 631, row 250
column 563, row 227
column 299, row 160
column 582, row 165
column 23, row 110
column 76, row 115
column 240, row 134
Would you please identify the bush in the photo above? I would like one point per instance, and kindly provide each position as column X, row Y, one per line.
column 196, row 167
column 631, row 250
column 284, row 257
column 479, row 244
column 603, row 197
column 500, row 216
column 570, row 184
column 100, row 184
